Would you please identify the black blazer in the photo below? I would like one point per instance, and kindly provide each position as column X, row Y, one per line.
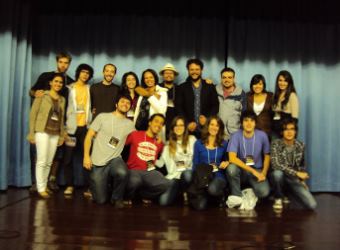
column 184, row 101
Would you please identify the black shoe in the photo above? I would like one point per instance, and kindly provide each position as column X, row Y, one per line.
column 33, row 188
column 221, row 203
column 52, row 184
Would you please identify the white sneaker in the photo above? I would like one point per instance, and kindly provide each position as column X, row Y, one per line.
column 68, row 191
column 277, row 204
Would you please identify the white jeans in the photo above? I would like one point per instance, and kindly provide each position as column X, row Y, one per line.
column 46, row 147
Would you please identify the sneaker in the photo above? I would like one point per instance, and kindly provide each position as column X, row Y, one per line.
column 277, row 204
column 49, row 191
column 146, row 201
column 68, row 191
column 118, row 204
column 87, row 194
column 44, row 195
column 285, row 200
column 52, row 184
column 127, row 202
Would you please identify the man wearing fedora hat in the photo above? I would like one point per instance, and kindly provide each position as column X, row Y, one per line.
column 169, row 73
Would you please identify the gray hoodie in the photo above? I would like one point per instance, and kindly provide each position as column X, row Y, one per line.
column 231, row 108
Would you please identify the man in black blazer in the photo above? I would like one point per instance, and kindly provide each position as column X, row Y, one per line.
column 196, row 100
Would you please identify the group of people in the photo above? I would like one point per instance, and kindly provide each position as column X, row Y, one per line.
column 212, row 140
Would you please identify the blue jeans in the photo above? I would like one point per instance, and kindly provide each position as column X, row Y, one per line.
column 279, row 179
column 236, row 176
column 107, row 180
column 176, row 185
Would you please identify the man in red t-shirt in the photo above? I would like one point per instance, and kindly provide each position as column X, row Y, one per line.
column 144, row 151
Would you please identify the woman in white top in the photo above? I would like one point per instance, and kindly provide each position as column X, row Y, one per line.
column 286, row 102
column 177, row 157
column 147, row 106
column 156, row 102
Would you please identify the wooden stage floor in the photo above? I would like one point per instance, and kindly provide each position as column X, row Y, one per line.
column 27, row 222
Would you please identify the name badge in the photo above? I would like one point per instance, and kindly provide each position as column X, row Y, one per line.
column 171, row 103
column 130, row 113
column 80, row 109
column 55, row 116
column 277, row 116
column 250, row 160
column 215, row 168
column 113, row 142
column 151, row 166
column 180, row 165
column 71, row 141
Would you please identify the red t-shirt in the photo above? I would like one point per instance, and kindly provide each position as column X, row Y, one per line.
column 142, row 149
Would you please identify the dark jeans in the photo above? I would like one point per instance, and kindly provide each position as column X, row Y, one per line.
column 216, row 188
column 175, row 188
column 279, row 179
column 69, row 154
column 149, row 184
column 109, row 180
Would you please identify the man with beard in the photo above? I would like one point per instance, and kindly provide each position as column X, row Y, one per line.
column 169, row 74
column 196, row 100
column 42, row 84
column 104, row 94
column 144, row 150
column 38, row 90
column 232, row 101
column 109, row 174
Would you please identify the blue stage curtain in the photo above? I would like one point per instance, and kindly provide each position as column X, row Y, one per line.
column 310, row 52
column 15, row 78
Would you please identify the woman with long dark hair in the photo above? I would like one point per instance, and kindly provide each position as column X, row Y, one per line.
column 147, row 106
column 286, row 102
column 211, row 152
column 46, row 130
column 260, row 101
column 129, row 83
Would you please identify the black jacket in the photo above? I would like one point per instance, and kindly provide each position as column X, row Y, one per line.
column 184, row 101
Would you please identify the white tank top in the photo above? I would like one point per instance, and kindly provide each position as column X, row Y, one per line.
column 258, row 108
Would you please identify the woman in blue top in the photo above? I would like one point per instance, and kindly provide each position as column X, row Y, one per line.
column 212, row 150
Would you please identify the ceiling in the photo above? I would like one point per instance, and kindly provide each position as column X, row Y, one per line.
column 304, row 10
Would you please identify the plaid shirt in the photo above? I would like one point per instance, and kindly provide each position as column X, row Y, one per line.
column 280, row 161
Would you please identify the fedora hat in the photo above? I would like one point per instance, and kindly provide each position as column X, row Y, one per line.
column 169, row 66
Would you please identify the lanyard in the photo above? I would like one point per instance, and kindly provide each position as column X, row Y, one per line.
column 244, row 145
column 209, row 156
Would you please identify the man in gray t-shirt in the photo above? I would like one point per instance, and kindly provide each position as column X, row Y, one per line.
column 108, row 169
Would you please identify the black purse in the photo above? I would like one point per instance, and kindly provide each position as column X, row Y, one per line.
column 143, row 116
